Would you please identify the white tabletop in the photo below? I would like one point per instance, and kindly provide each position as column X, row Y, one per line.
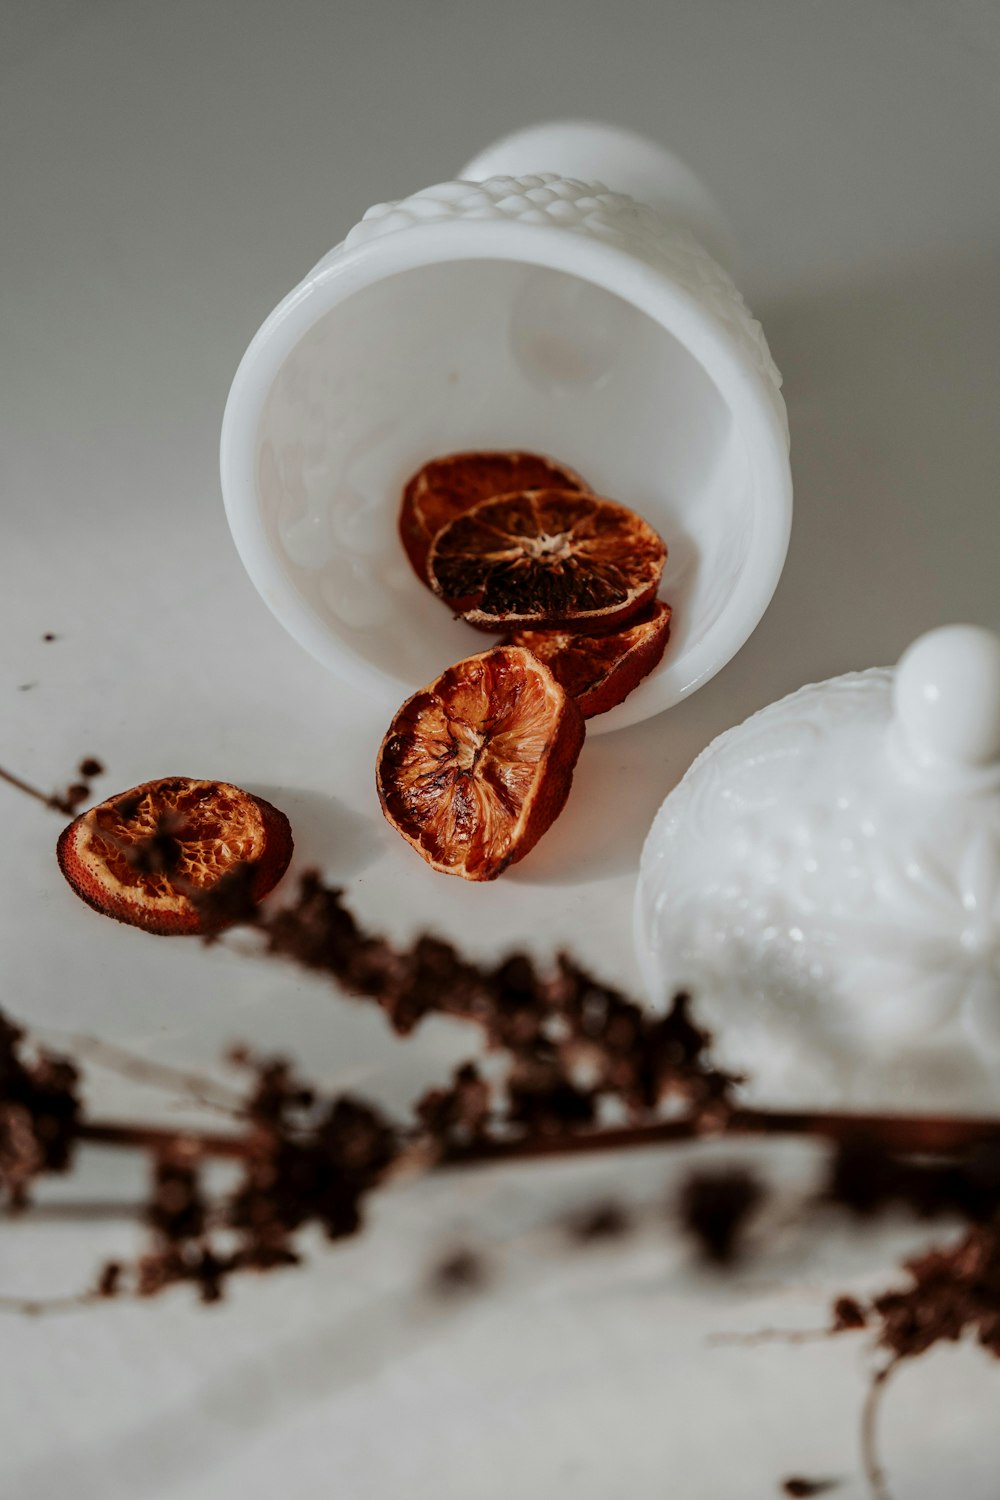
column 168, row 173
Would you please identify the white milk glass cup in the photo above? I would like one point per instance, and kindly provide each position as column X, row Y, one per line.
column 566, row 295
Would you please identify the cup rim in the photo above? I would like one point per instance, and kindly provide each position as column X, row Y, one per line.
column 748, row 391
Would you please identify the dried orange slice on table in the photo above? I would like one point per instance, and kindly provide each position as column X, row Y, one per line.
column 599, row 672
column 475, row 767
column 447, row 487
column 547, row 558
column 145, row 856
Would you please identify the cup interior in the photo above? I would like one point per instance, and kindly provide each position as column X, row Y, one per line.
column 482, row 354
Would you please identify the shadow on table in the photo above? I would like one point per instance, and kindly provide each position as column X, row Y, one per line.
column 328, row 836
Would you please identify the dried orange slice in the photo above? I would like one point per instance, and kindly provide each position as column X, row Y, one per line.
column 547, row 559
column 599, row 672
column 477, row 766
column 140, row 856
column 447, row 487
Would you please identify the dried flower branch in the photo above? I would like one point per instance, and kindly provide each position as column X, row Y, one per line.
column 66, row 801
column 573, row 1044
column 458, row 1273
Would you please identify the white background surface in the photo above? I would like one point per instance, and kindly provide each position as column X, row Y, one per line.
column 168, row 172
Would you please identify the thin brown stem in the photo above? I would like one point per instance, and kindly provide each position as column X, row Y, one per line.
column 204, row 1091
column 161, row 1140
column 874, row 1472
column 917, row 1134
column 54, row 803
column 37, row 1307
column 772, row 1336
column 913, row 1134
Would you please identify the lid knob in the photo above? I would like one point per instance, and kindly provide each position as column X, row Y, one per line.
column 947, row 697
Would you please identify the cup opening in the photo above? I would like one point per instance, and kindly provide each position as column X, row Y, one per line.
column 488, row 354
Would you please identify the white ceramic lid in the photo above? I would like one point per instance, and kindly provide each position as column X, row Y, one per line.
column 826, row 878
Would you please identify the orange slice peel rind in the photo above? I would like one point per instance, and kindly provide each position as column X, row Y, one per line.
column 600, row 672
column 547, row 559
column 476, row 766
column 447, row 487
column 213, row 828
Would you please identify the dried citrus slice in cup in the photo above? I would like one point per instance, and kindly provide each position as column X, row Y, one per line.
column 600, row 671
column 447, row 487
column 141, row 856
column 547, row 559
column 475, row 767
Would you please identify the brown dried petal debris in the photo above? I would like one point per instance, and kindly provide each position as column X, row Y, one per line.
column 319, row 1175
column 573, row 1039
column 305, row 1161
column 177, row 1207
column 601, row 1221
column 848, row 1315
column 715, row 1208
column 460, row 1113
column 866, row 1177
column 458, row 1273
column 800, row 1488
column 40, row 1110
column 953, row 1291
